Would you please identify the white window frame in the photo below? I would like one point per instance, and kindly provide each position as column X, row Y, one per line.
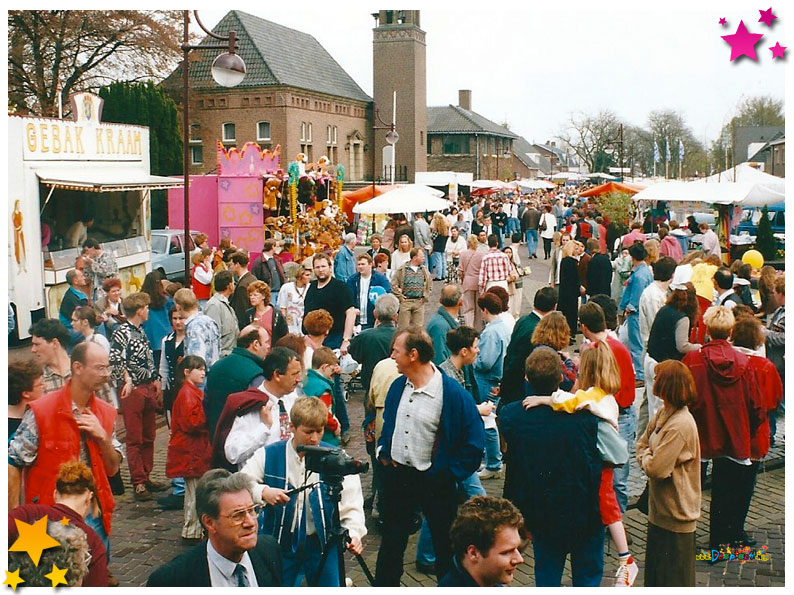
column 223, row 132
column 263, row 138
column 309, row 131
column 303, row 132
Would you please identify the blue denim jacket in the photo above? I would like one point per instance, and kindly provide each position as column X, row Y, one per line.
column 639, row 279
column 344, row 264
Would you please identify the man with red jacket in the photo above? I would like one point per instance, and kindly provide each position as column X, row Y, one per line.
column 728, row 412
column 65, row 425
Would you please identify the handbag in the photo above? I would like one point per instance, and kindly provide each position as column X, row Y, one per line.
column 543, row 225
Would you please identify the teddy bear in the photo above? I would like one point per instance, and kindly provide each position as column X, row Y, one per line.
column 272, row 194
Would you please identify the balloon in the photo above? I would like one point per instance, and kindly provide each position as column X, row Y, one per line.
column 375, row 292
column 754, row 258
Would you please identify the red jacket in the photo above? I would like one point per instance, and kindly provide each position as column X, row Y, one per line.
column 729, row 408
column 771, row 390
column 59, row 442
column 625, row 396
column 202, row 291
column 189, row 449
column 237, row 405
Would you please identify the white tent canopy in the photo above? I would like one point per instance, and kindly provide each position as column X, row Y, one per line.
column 600, row 175
column 412, row 198
column 497, row 184
column 443, row 178
column 527, row 184
column 745, row 194
column 751, row 188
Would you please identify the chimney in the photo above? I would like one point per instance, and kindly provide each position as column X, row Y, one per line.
column 464, row 99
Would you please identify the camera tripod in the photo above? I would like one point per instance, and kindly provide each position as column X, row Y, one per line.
column 336, row 535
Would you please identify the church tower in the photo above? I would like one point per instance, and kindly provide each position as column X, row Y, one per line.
column 399, row 64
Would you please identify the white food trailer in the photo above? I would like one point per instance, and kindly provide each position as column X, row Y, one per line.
column 61, row 172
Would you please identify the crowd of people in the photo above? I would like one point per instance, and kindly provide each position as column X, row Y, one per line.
column 246, row 361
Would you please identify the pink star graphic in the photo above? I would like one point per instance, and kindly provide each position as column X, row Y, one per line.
column 723, row 22
column 743, row 42
column 778, row 51
column 767, row 17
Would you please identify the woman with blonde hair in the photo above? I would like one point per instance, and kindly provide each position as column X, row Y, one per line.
column 570, row 286
column 652, row 250
column 553, row 331
column 403, row 252
column 439, row 232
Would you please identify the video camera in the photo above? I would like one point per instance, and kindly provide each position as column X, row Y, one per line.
column 331, row 462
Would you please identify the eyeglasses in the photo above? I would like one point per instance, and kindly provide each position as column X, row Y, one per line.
column 238, row 516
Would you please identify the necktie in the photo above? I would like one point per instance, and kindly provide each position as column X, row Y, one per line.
column 283, row 420
column 239, row 575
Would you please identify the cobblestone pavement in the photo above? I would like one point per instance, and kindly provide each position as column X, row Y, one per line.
column 145, row 537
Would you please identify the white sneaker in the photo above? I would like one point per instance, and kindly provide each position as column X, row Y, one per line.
column 627, row 573
column 488, row 474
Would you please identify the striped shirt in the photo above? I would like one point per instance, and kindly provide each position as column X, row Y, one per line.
column 416, row 424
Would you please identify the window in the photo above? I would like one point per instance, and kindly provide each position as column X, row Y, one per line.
column 303, row 131
column 196, row 156
column 455, row 144
column 309, row 132
column 307, row 150
column 195, row 132
column 422, row 138
column 330, row 135
column 263, row 131
column 229, row 134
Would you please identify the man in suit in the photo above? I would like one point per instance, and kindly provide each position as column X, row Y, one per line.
column 234, row 555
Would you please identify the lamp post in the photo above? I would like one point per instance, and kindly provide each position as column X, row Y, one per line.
column 228, row 70
column 391, row 137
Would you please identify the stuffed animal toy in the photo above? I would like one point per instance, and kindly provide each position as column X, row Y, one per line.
column 272, row 194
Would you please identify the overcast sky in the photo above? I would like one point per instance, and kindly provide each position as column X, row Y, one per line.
column 533, row 66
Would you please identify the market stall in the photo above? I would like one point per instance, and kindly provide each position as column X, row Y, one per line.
column 625, row 187
column 405, row 199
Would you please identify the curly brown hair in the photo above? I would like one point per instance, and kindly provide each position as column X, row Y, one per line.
column 479, row 520
column 75, row 477
column 552, row 330
column 261, row 287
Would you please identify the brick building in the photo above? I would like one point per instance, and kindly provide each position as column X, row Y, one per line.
column 294, row 94
column 459, row 139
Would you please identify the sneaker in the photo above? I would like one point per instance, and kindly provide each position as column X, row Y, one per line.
column 627, row 573
column 141, row 493
column 488, row 474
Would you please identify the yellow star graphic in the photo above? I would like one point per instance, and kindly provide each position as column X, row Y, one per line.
column 33, row 539
column 57, row 576
column 64, row 521
column 13, row 579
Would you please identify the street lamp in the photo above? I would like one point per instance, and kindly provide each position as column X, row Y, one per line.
column 391, row 137
column 228, row 70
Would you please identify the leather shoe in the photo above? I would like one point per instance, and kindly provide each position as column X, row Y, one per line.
column 745, row 539
column 113, row 581
column 426, row 568
column 171, row 502
column 155, row 486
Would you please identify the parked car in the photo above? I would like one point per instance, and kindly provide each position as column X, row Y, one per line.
column 751, row 217
column 168, row 252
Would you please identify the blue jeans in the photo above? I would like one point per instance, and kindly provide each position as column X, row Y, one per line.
column 635, row 344
column 295, row 566
column 493, row 456
column 587, row 560
column 532, row 241
column 96, row 524
column 469, row 487
column 274, row 297
column 438, row 265
column 627, row 428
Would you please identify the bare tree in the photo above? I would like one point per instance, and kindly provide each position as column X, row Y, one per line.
column 52, row 52
column 588, row 136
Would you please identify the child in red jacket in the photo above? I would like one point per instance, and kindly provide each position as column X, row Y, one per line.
column 189, row 449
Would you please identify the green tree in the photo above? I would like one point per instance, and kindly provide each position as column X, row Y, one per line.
column 760, row 111
column 148, row 105
column 589, row 135
column 765, row 241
